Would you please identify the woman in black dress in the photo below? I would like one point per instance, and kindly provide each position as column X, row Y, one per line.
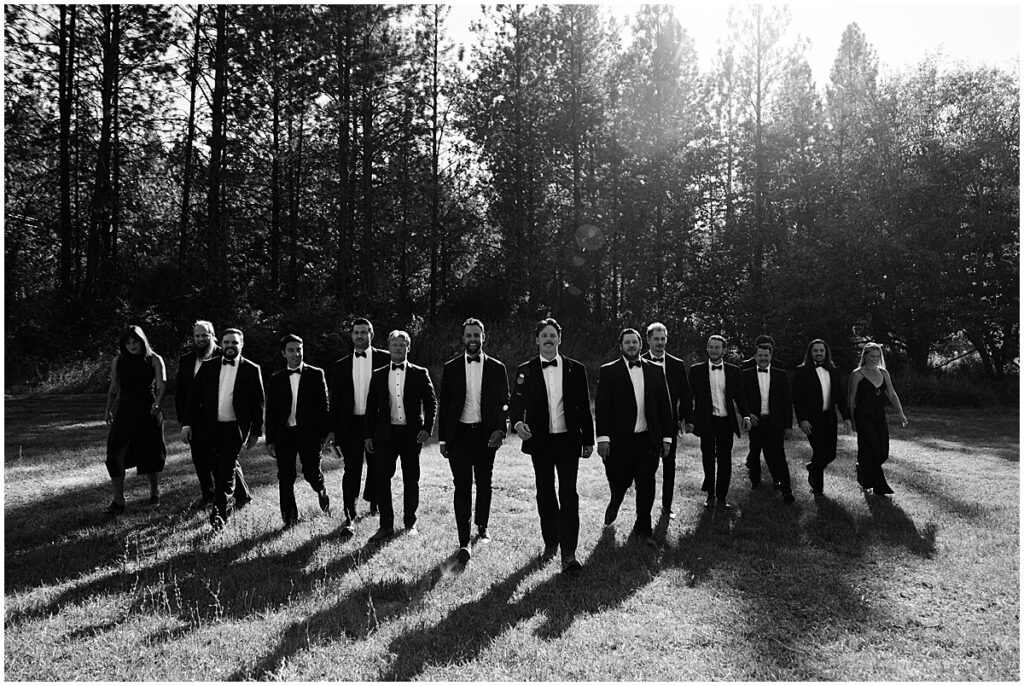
column 870, row 385
column 137, row 384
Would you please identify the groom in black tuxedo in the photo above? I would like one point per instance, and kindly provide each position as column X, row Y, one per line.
column 225, row 408
column 769, row 414
column 634, row 429
column 817, row 393
column 296, row 426
column 550, row 410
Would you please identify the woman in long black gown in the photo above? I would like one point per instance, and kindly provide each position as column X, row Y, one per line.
column 870, row 385
column 137, row 384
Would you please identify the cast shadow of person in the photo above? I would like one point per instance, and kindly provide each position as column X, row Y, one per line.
column 357, row 615
column 892, row 525
column 610, row 576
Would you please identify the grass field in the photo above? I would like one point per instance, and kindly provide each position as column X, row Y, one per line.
column 924, row 586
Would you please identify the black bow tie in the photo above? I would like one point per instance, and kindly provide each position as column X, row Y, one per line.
column 297, row 370
column 634, row 364
column 716, row 366
column 359, row 354
column 398, row 366
column 659, row 360
column 472, row 358
column 819, row 364
column 762, row 371
column 227, row 361
column 544, row 363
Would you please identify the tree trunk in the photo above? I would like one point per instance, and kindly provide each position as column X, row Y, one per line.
column 215, row 234
column 190, row 134
column 66, row 77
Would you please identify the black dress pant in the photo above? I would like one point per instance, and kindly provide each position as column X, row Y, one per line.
column 668, row 477
column 227, row 443
column 559, row 514
column 716, row 455
column 402, row 446
column 292, row 443
column 823, row 439
column 469, row 455
column 754, row 457
column 632, row 460
column 772, row 438
column 201, row 449
column 353, row 452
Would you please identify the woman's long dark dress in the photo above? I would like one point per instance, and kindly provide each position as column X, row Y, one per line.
column 135, row 432
column 872, row 435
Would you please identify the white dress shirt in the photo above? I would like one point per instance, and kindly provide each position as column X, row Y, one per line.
column 553, row 384
column 226, row 391
column 474, row 386
column 717, row 379
column 396, row 388
column 294, row 379
column 362, row 370
column 826, row 386
column 764, row 384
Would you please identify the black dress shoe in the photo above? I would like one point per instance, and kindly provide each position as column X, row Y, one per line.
column 348, row 529
column 114, row 508
column 463, row 555
column 571, row 566
column 788, row 499
column 883, row 490
column 154, row 498
column 710, row 502
column 382, row 535
column 325, row 501
column 242, row 502
column 481, row 535
column 549, row 552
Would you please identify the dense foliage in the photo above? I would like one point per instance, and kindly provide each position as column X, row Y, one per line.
column 292, row 165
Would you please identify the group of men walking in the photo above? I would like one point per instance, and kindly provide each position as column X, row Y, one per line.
column 377, row 408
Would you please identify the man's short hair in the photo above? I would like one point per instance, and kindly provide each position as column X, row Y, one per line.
column 766, row 345
column 289, row 338
column 655, row 326
column 237, row 332
column 764, row 338
column 717, row 337
column 398, row 333
column 550, row 321
column 361, row 321
column 205, row 324
column 473, row 321
column 629, row 330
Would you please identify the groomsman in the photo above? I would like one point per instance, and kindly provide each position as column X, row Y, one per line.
column 681, row 402
column 634, row 428
column 550, row 411
column 296, row 426
column 817, row 393
column 756, row 447
column 349, row 387
column 399, row 419
column 472, row 422
column 716, row 391
column 769, row 414
column 204, row 348
column 225, row 411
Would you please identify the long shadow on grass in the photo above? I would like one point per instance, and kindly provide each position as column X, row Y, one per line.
column 612, row 574
column 980, row 432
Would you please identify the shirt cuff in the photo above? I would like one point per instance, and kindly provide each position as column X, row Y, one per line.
column 666, row 440
column 604, row 439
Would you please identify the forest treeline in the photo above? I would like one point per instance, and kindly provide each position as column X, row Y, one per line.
column 289, row 166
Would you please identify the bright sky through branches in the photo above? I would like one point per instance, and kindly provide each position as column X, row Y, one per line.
column 901, row 34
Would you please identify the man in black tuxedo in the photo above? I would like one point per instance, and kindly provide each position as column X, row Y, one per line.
column 550, row 410
column 769, row 414
column 756, row 447
column 204, row 348
column 349, row 388
column 399, row 419
column 225, row 408
column 817, row 393
column 716, row 392
column 634, row 429
column 472, row 422
column 681, row 402
column 296, row 426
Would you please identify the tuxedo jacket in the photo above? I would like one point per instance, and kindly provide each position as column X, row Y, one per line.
column 418, row 399
column 680, row 396
column 616, row 404
column 342, row 392
column 780, row 402
column 493, row 397
column 700, row 383
column 530, row 405
column 807, row 400
column 183, row 381
column 248, row 400
column 311, row 408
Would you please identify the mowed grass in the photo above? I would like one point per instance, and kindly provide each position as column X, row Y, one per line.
column 924, row 586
